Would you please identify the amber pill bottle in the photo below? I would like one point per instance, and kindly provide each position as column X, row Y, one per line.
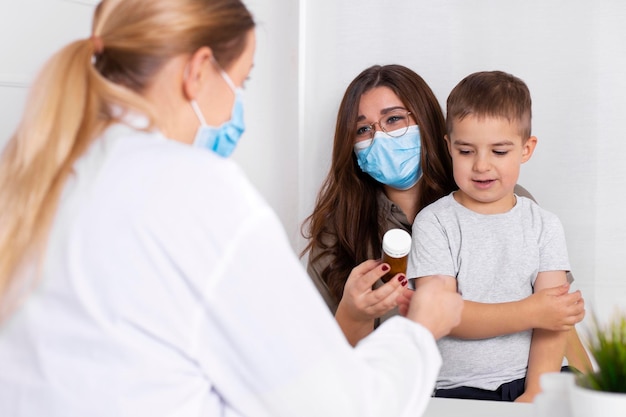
column 396, row 247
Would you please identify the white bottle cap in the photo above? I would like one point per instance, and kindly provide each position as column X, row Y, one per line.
column 396, row 243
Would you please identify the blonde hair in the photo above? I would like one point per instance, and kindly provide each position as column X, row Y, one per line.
column 73, row 100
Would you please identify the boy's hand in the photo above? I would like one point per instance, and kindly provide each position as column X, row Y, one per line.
column 555, row 309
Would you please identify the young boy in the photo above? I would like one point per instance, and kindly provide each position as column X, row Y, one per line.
column 492, row 245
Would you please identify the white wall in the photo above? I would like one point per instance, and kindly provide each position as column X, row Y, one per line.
column 269, row 149
column 30, row 30
column 570, row 53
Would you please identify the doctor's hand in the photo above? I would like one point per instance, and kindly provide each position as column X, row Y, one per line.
column 433, row 305
column 361, row 304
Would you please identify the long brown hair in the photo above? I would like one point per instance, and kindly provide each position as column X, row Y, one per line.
column 345, row 223
column 79, row 93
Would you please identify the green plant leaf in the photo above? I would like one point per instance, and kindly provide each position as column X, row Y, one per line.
column 607, row 345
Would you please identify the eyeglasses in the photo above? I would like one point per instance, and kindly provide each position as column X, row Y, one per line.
column 394, row 123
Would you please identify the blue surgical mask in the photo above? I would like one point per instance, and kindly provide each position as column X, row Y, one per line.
column 392, row 161
column 223, row 139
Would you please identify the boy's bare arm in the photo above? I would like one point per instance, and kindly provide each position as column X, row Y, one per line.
column 547, row 347
column 576, row 354
column 484, row 320
column 552, row 308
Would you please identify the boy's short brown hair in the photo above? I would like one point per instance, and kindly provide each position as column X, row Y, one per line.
column 491, row 94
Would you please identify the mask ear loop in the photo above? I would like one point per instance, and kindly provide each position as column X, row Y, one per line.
column 224, row 75
column 197, row 111
column 227, row 79
column 194, row 103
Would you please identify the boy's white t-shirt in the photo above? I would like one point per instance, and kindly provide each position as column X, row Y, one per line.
column 495, row 258
column 169, row 288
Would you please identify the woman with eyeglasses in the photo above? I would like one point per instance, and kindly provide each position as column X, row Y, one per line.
column 389, row 161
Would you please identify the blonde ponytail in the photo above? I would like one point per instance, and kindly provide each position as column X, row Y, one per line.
column 68, row 106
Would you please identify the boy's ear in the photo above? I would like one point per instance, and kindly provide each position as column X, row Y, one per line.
column 448, row 143
column 528, row 148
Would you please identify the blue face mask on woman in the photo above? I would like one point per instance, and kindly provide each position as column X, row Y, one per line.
column 221, row 140
column 393, row 161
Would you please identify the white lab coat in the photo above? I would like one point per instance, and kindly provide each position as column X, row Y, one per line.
column 169, row 289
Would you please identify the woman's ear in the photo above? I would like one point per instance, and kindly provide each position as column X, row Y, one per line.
column 196, row 72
